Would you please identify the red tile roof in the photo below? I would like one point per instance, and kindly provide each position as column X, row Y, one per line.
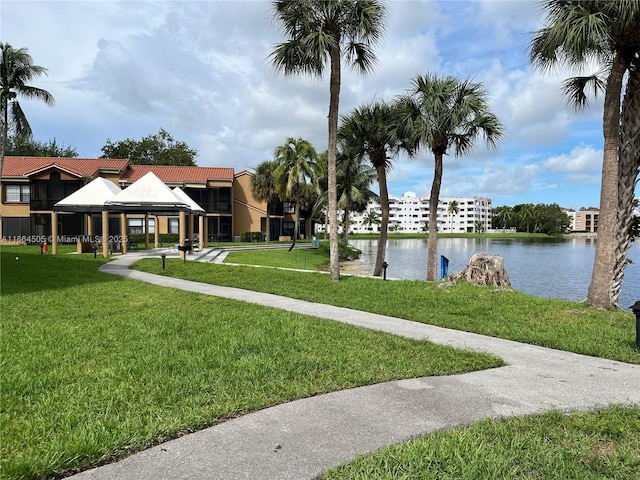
column 90, row 167
column 85, row 167
column 170, row 174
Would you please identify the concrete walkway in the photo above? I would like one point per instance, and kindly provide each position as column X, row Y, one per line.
column 302, row 439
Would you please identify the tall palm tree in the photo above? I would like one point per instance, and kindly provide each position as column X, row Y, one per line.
column 328, row 32
column 17, row 69
column 527, row 213
column 506, row 214
column 576, row 34
column 445, row 113
column 373, row 130
column 354, row 179
column 452, row 210
column 295, row 175
column 263, row 188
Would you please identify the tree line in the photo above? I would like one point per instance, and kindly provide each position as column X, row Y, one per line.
column 527, row 217
column 155, row 149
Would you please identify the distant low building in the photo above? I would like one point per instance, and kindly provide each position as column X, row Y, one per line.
column 584, row 220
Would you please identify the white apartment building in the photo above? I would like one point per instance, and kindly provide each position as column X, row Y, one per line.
column 409, row 213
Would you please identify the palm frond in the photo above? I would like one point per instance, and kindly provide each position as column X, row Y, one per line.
column 575, row 89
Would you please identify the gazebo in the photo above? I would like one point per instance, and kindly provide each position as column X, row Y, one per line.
column 89, row 199
column 148, row 196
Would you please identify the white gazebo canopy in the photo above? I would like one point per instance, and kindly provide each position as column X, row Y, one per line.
column 149, row 195
column 90, row 198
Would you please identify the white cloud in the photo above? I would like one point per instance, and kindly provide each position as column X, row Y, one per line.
column 200, row 69
column 583, row 159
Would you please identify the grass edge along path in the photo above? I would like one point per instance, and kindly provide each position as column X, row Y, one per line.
column 564, row 325
column 96, row 367
column 575, row 446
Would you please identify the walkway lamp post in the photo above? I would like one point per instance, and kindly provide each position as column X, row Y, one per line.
column 635, row 308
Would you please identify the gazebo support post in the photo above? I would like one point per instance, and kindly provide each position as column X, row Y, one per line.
column 54, row 233
column 105, row 233
column 183, row 233
column 191, row 233
column 123, row 230
column 146, row 231
column 156, row 236
column 203, row 232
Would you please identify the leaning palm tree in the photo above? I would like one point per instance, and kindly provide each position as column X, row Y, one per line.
column 295, row 175
column 16, row 70
column 320, row 207
column 263, row 188
column 373, row 130
column 354, row 179
column 452, row 210
column 440, row 114
column 577, row 34
column 326, row 32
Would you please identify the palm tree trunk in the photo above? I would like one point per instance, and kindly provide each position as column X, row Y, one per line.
column 334, row 100
column 268, row 226
column 296, row 225
column 432, row 242
column 326, row 223
column 602, row 276
column 5, row 130
column 629, row 169
column 384, row 220
column 345, row 230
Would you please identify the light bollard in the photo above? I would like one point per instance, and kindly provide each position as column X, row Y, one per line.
column 635, row 308
column 384, row 270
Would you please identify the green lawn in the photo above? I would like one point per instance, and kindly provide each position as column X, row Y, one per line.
column 560, row 324
column 304, row 259
column 95, row 366
column 581, row 446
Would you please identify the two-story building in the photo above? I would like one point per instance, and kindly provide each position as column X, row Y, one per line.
column 31, row 186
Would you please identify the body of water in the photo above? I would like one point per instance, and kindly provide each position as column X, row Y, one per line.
column 553, row 268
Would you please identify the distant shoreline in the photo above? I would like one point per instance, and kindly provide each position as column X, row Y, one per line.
column 513, row 235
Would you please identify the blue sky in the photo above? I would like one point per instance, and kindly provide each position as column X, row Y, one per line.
column 199, row 69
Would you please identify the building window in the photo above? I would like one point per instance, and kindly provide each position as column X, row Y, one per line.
column 287, row 228
column 136, row 225
column 17, row 193
column 174, row 225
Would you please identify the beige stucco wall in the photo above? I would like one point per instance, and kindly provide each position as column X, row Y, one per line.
column 247, row 211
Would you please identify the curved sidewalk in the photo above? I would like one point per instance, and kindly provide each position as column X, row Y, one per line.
column 303, row 438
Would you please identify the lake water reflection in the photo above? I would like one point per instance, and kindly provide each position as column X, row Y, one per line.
column 545, row 268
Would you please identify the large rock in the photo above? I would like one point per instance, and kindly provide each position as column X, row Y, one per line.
column 484, row 269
